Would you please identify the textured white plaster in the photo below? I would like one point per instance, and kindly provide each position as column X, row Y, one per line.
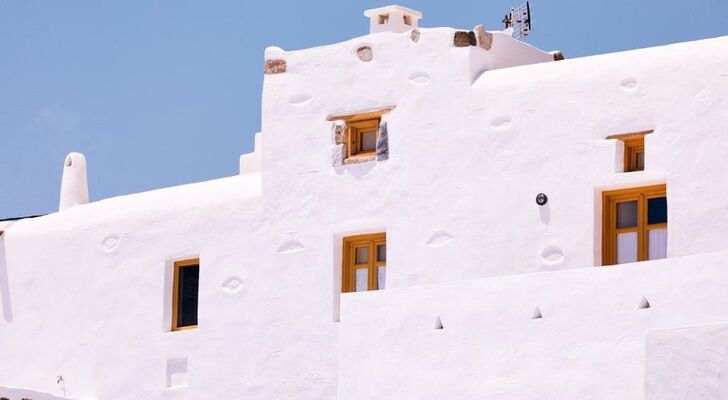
column 86, row 293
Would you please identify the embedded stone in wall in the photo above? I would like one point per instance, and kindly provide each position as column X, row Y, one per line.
column 275, row 66
column 558, row 56
column 338, row 155
column 484, row 38
column 464, row 39
column 339, row 129
column 383, row 142
column 359, row 160
column 365, row 53
column 415, row 35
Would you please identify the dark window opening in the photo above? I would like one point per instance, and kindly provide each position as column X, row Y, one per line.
column 186, row 284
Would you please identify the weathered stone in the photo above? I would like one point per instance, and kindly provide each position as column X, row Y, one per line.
column 558, row 56
column 359, row 160
column 339, row 155
column 464, row 39
column 483, row 37
column 340, row 132
column 275, row 66
column 365, row 53
column 415, row 35
column 383, row 142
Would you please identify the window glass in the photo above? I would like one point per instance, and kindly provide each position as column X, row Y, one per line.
column 381, row 277
column 362, row 255
column 657, row 210
column 362, row 279
column 627, row 214
column 368, row 141
column 382, row 252
column 657, row 244
column 187, row 295
column 626, row 247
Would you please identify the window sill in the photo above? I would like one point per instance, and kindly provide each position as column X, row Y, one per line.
column 360, row 159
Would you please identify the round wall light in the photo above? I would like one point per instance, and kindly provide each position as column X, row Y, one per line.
column 541, row 199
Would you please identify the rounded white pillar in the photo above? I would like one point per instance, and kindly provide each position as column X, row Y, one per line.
column 74, row 184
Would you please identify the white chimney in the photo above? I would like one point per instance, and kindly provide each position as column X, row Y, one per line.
column 392, row 19
column 74, row 184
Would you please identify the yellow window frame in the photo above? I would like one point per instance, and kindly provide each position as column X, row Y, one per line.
column 350, row 244
column 610, row 200
column 178, row 265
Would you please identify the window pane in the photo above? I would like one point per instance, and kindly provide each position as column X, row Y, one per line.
column 368, row 141
column 626, row 247
column 381, row 277
column 657, row 210
column 382, row 252
column 362, row 255
column 627, row 214
column 657, row 247
column 639, row 161
column 362, row 279
column 187, row 292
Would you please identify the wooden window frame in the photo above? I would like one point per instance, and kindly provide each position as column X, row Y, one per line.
column 175, row 293
column 610, row 199
column 356, row 130
column 349, row 265
column 634, row 144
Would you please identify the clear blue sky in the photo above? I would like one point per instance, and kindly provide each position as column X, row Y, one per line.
column 160, row 93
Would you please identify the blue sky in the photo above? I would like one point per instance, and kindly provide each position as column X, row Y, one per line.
column 160, row 93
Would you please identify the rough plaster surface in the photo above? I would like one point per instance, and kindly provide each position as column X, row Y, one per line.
column 687, row 363
column 86, row 292
column 577, row 334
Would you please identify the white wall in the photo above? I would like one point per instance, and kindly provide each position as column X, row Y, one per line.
column 89, row 286
column 590, row 343
column 687, row 363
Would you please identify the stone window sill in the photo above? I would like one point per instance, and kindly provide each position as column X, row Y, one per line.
column 360, row 159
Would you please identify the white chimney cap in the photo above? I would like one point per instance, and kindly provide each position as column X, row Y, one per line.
column 392, row 18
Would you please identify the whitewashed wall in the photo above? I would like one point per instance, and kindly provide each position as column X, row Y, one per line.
column 470, row 147
column 589, row 343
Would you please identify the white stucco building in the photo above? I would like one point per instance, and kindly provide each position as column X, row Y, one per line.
column 405, row 166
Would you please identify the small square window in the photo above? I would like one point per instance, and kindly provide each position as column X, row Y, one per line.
column 363, row 137
column 365, row 262
column 383, row 19
column 184, row 300
column 407, row 19
column 634, row 150
column 634, row 153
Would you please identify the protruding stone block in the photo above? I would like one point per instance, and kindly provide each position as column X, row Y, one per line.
column 483, row 37
column 383, row 142
column 415, row 35
column 339, row 132
column 464, row 39
column 275, row 66
column 365, row 53
column 338, row 156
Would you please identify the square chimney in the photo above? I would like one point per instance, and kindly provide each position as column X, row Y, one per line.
column 392, row 18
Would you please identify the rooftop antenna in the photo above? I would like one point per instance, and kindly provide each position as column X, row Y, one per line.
column 518, row 21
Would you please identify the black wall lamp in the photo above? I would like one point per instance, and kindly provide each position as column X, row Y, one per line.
column 542, row 199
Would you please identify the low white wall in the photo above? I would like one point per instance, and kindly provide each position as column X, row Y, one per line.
column 590, row 343
column 12, row 393
column 687, row 363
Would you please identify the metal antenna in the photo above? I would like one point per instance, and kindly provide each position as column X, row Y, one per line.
column 519, row 21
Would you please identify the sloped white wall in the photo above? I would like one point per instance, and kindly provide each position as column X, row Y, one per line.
column 589, row 343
